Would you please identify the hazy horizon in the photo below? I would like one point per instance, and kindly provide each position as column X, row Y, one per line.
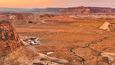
column 55, row 3
column 53, row 7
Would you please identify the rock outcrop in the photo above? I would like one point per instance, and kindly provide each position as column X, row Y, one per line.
column 9, row 40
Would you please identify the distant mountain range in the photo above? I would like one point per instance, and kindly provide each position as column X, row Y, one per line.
column 71, row 10
column 89, row 10
column 31, row 10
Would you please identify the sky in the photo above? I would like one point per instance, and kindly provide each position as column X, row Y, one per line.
column 55, row 3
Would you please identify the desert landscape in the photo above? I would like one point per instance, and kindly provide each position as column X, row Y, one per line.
column 71, row 36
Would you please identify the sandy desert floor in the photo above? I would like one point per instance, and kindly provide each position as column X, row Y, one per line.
column 79, row 41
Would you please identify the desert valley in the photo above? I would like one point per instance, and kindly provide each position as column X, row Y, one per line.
column 57, row 36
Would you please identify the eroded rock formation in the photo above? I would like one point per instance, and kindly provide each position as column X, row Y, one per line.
column 9, row 40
